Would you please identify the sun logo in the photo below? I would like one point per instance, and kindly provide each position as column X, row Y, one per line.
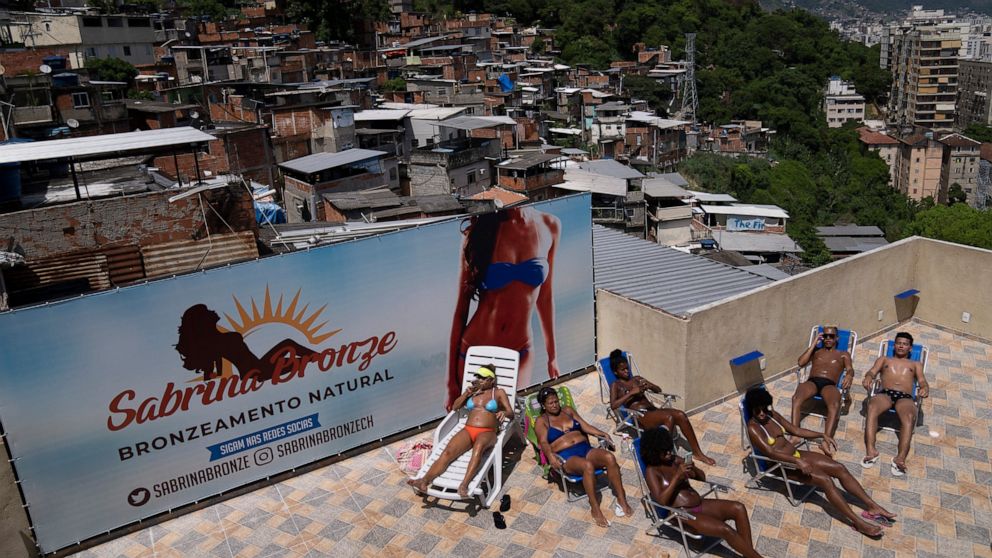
column 302, row 321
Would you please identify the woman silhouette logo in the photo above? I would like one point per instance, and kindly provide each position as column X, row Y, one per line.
column 204, row 347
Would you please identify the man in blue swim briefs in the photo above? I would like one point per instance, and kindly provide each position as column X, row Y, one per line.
column 826, row 364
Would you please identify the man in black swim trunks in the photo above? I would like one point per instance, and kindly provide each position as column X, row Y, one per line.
column 898, row 373
column 826, row 364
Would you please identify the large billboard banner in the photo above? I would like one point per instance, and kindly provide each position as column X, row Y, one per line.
column 125, row 404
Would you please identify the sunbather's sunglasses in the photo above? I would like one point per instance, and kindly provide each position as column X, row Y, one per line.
column 829, row 335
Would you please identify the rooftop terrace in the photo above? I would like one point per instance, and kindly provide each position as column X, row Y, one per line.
column 361, row 507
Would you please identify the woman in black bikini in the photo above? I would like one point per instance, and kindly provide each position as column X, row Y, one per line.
column 508, row 261
column 668, row 477
column 563, row 437
column 628, row 391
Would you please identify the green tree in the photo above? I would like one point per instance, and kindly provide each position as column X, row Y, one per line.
column 958, row 223
column 979, row 132
column 956, row 194
column 648, row 89
column 588, row 50
column 395, row 84
column 110, row 69
column 216, row 10
column 538, row 46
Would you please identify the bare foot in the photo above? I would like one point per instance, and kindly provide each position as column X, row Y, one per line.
column 705, row 459
column 463, row 490
column 600, row 519
column 420, row 485
column 868, row 529
column 627, row 510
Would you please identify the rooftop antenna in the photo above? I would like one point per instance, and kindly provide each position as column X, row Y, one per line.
column 690, row 101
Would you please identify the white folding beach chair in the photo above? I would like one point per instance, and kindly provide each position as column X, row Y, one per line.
column 918, row 353
column 847, row 340
column 488, row 482
column 766, row 467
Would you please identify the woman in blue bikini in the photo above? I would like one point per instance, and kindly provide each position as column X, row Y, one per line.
column 487, row 406
column 564, row 437
column 507, row 268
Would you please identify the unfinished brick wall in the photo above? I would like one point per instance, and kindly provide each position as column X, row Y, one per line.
column 240, row 152
column 141, row 219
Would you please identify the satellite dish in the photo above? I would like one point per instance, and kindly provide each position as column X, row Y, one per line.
column 188, row 34
column 2, row 70
column 72, row 123
column 45, row 69
column 194, row 114
column 235, row 58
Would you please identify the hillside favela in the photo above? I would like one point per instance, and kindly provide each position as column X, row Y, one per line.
column 495, row 278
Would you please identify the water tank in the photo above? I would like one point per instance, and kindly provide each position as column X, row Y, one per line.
column 10, row 178
column 56, row 63
column 65, row 79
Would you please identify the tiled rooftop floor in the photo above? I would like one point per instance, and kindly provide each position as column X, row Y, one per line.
column 361, row 507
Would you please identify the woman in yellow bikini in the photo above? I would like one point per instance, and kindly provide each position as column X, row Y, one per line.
column 767, row 431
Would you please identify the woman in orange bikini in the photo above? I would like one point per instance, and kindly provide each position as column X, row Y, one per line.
column 488, row 406
column 507, row 268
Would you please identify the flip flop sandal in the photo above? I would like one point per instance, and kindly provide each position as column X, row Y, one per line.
column 504, row 503
column 896, row 470
column 869, row 462
column 880, row 519
column 618, row 510
column 499, row 521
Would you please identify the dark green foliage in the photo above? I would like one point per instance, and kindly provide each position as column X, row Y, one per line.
column 215, row 9
column 956, row 194
column 979, row 132
column 641, row 87
column 837, row 183
column 338, row 19
column 395, row 84
column 110, row 69
column 958, row 223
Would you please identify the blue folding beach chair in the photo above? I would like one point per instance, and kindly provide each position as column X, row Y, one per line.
column 847, row 340
column 767, row 467
column 623, row 417
column 918, row 353
column 666, row 516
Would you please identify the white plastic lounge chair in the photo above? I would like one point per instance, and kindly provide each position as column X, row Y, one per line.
column 488, row 482
column 847, row 340
column 766, row 467
column 662, row 517
column 918, row 353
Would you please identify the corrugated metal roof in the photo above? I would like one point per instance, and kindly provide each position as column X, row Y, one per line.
column 610, row 167
column 174, row 258
column 746, row 210
column 467, row 123
column 380, row 114
column 853, row 243
column 850, row 230
column 323, row 161
column 750, row 242
column 663, row 277
column 101, row 145
column 578, row 180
